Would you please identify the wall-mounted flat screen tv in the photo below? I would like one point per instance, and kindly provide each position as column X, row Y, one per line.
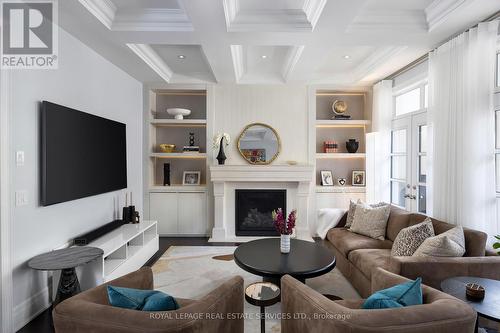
column 82, row 154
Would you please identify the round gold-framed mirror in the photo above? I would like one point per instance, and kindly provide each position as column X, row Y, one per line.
column 259, row 143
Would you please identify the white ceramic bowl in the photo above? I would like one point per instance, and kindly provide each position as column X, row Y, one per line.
column 179, row 113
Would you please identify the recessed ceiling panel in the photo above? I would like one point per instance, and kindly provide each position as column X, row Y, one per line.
column 344, row 58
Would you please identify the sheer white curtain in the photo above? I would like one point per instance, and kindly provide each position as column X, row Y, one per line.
column 378, row 145
column 461, row 122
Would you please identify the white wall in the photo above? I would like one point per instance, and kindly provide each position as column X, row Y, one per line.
column 87, row 82
column 282, row 107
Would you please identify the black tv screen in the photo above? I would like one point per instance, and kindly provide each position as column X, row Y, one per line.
column 82, row 154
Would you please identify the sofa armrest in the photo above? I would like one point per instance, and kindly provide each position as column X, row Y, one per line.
column 434, row 270
column 79, row 314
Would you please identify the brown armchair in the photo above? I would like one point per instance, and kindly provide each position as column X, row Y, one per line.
column 312, row 312
column 90, row 311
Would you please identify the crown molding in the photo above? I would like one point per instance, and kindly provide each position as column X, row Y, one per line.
column 103, row 10
column 440, row 10
column 291, row 60
column 153, row 60
column 238, row 61
column 375, row 60
column 409, row 20
column 281, row 20
column 152, row 19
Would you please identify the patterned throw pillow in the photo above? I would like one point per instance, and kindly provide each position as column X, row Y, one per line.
column 352, row 208
column 448, row 244
column 409, row 239
column 371, row 221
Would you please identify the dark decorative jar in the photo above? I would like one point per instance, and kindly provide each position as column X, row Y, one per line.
column 352, row 146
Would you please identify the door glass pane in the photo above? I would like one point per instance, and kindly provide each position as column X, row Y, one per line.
column 398, row 191
column 399, row 141
column 497, row 173
column 422, row 167
column 422, row 135
column 422, row 196
column 398, row 167
column 408, row 102
column 497, row 129
column 426, row 96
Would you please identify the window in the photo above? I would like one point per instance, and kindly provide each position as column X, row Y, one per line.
column 408, row 102
column 398, row 167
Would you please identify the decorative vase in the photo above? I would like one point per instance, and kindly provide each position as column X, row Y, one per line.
column 352, row 146
column 221, row 157
column 285, row 243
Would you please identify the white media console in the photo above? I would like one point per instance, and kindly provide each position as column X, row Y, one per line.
column 126, row 249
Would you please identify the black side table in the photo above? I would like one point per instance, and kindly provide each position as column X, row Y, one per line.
column 66, row 260
column 262, row 294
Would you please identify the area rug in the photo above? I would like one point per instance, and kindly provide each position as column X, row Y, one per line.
column 193, row 271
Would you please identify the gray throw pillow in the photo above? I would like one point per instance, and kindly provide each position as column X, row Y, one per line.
column 371, row 221
column 352, row 208
column 448, row 244
column 409, row 239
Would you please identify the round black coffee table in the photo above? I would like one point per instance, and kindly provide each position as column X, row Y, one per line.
column 66, row 260
column 489, row 307
column 263, row 257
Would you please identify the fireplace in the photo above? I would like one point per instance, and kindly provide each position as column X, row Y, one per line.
column 253, row 211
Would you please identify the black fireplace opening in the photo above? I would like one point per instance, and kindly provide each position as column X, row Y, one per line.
column 254, row 211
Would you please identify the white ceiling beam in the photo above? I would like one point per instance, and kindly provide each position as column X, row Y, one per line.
column 440, row 10
column 103, row 10
column 375, row 60
column 153, row 60
column 291, row 60
column 152, row 19
column 313, row 10
column 239, row 63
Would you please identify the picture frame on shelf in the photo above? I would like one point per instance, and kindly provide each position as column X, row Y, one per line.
column 358, row 178
column 326, row 178
column 191, row 178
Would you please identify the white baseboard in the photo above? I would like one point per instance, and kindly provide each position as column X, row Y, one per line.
column 30, row 308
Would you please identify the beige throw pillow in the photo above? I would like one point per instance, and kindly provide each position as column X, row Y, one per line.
column 448, row 244
column 352, row 208
column 409, row 239
column 371, row 221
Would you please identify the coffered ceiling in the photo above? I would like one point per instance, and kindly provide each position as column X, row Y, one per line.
column 353, row 42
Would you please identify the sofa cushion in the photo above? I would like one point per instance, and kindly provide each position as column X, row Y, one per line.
column 398, row 219
column 371, row 221
column 404, row 294
column 346, row 241
column 138, row 299
column 475, row 240
column 368, row 259
column 351, row 303
column 410, row 238
column 448, row 244
column 352, row 209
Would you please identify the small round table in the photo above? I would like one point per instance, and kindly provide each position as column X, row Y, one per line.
column 488, row 307
column 66, row 260
column 263, row 257
column 262, row 294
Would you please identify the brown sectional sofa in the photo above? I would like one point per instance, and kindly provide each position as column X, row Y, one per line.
column 358, row 255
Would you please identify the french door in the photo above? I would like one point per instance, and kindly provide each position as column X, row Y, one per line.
column 409, row 162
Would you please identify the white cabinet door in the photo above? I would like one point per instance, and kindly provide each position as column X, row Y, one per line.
column 192, row 210
column 163, row 208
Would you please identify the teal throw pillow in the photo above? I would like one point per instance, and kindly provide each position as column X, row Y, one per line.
column 138, row 299
column 405, row 294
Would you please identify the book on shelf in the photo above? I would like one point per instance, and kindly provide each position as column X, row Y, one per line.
column 191, row 149
column 330, row 147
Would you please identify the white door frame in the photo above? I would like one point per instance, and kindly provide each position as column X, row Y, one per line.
column 6, row 301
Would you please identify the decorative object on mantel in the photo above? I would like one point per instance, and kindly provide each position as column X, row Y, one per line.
column 129, row 214
column 291, row 162
column 219, row 144
column 191, row 148
column 191, row 178
column 326, row 178
column 358, row 178
column 331, row 146
column 284, row 227
column 259, row 144
column 474, row 291
column 339, row 108
column 496, row 245
column 166, row 174
column 352, row 146
column 178, row 113
column 167, row 148
column 341, row 181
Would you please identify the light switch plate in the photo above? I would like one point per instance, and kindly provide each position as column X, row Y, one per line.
column 19, row 158
column 21, row 198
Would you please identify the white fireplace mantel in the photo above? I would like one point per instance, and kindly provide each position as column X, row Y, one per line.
column 298, row 176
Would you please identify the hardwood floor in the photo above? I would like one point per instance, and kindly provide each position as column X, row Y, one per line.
column 43, row 323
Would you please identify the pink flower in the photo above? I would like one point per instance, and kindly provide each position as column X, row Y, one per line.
column 284, row 227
